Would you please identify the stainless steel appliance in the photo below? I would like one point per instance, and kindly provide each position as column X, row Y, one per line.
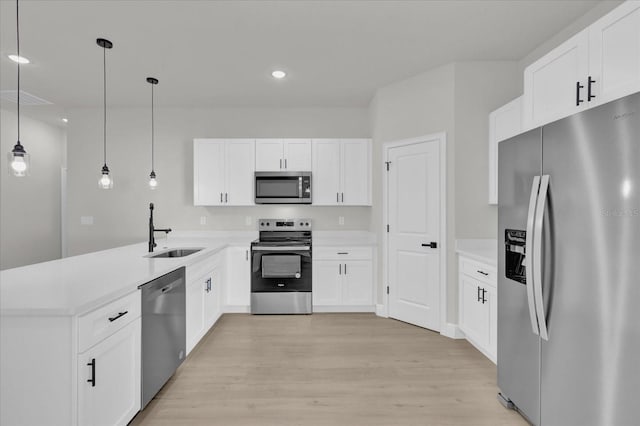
column 281, row 267
column 283, row 187
column 569, row 282
column 163, row 331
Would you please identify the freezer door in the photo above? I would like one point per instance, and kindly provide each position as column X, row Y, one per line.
column 590, row 364
column 520, row 161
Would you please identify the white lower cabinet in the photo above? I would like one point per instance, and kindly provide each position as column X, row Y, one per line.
column 343, row 279
column 109, row 379
column 478, row 305
column 203, row 299
column 238, row 280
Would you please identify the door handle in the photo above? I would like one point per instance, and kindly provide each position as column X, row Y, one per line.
column 537, row 258
column 578, row 87
column 528, row 263
column 590, row 82
column 340, row 269
column 432, row 244
column 92, row 380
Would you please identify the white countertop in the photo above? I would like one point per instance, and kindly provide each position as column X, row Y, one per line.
column 79, row 284
column 482, row 250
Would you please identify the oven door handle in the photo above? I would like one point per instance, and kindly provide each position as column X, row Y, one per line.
column 281, row 248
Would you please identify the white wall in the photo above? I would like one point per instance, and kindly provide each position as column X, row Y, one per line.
column 30, row 206
column 456, row 99
column 121, row 214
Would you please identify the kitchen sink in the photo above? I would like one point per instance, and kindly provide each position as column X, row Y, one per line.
column 181, row 252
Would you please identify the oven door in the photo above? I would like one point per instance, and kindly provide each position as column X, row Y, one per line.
column 283, row 188
column 280, row 269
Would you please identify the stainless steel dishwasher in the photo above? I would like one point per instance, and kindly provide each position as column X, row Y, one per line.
column 163, row 331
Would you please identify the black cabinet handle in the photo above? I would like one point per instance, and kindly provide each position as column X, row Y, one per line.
column 221, row 197
column 120, row 314
column 482, row 272
column 484, row 300
column 337, row 197
column 343, row 252
column 578, row 87
column 432, row 244
column 340, row 269
column 479, row 297
column 281, row 164
column 345, row 269
column 589, row 84
column 226, row 197
column 92, row 380
column 343, row 197
column 285, row 163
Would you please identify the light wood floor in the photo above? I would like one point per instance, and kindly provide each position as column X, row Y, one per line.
column 329, row 369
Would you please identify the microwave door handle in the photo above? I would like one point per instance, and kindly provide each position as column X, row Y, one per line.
column 537, row 259
column 528, row 265
column 299, row 186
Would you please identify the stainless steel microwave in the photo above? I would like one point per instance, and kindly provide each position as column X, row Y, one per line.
column 283, row 187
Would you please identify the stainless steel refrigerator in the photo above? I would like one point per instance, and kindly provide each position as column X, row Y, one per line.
column 569, row 269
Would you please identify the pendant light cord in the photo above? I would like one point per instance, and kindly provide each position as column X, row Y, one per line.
column 152, row 127
column 18, row 47
column 104, row 74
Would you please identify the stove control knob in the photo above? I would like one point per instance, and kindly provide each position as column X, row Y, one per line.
column 261, row 223
column 307, row 224
column 267, row 223
column 301, row 223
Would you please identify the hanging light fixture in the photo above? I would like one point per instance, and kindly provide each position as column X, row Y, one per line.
column 153, row 182
column 18, row 158
column 106, row 180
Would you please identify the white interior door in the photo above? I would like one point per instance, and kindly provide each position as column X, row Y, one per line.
column 414, row 223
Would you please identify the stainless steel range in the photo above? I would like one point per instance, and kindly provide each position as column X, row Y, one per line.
column 281, row 267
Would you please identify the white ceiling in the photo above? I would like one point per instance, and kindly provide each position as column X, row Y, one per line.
column 221, row 53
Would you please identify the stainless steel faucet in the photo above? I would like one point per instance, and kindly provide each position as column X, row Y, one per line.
column 153, row 230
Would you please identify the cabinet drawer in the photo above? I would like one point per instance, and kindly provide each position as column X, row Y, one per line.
column 103, row 322
column 342, row 253
column 479, row 271
column 199, row 269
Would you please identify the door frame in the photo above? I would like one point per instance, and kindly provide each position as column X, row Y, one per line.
column 441, row 138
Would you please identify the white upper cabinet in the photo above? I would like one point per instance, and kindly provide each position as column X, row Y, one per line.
column 341, row 173
column 505, row 122
column 554, row 86
column 280, row 155
column 223, row 172
column 614, row 53
column 597, row 65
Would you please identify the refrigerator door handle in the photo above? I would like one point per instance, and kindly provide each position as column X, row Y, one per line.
column 528, row 265
column 537, row 258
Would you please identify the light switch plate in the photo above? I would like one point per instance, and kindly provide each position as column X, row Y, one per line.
column 248, row 220
column 203, row 220
column 340, row 220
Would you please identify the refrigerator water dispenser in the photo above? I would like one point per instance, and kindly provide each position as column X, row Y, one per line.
column 514, row 245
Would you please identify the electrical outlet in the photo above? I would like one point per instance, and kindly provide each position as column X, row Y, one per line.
column 340, row 220
column 248, row 220
column 203, row 220
column 86, row 220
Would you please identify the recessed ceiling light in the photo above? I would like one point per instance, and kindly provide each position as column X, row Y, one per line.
column 279, row 74
column 19, row 59
column 66, row 120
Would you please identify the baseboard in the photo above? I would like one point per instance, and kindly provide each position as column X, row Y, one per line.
column 452, row 331
column 344, row 309
column 381, row 311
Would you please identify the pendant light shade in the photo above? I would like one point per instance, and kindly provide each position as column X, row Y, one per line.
column 18, row 159
column 106, row 179
column 153, row 182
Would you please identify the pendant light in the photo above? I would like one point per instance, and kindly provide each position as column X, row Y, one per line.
column 106, row 180
column 18, row 158
column 153, row 182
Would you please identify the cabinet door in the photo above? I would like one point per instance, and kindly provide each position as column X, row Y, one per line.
column 114, row 396
column 326, row 172
column 238, row 288
column 211, row 302
column 240, row 160
column 504, row 123
column 297, row 155
column 550, row 91
column 269, row 156
column 474, row 315
column 614, row 53
column 195, row 312
column 358, row 283
column 208, row 172
column 327, row 282
column 356, row 172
